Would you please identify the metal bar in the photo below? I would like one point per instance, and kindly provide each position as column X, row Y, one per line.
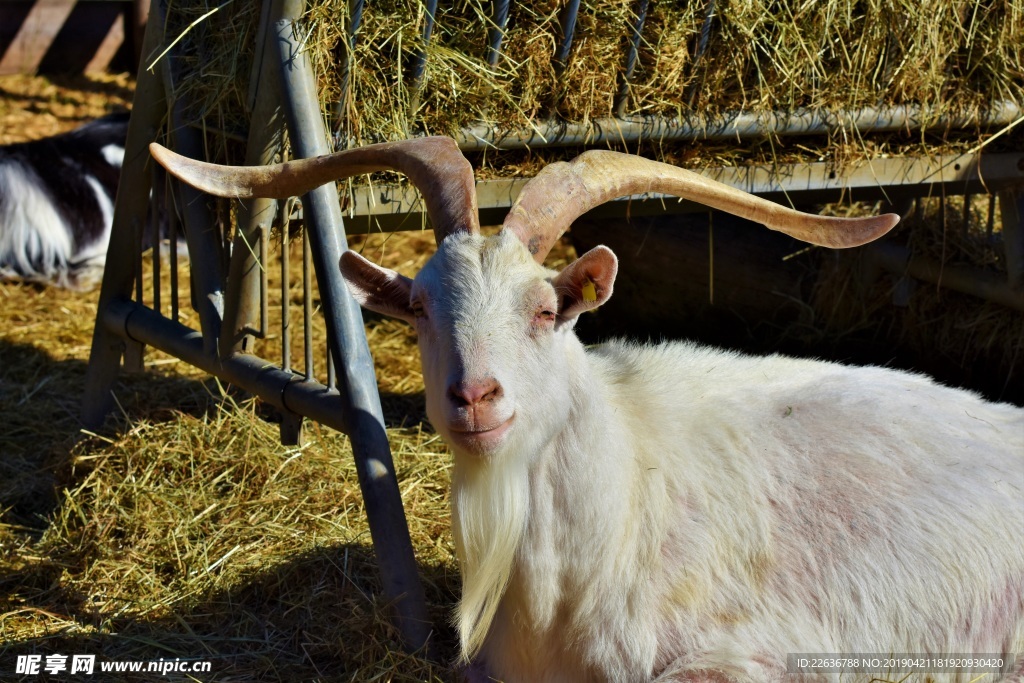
column 705, row 31
column 156, row 216
column 400, row 207
column 965, row 230
column 171, row 216
column 264, row 280
column 419, row 60
column 134, row 353
column 307, row 304
column 991, row 216
column 496, row 32
column 148, row 111
column 356, row 380
column 155, row 237
column 567, row 22
column 626, row 77
column 702, row 46
column 244, row 299
column 355, row 21
column 1011, row 208
column 732, row 126
column 332, row 377
column 942, row 219
column 978, row 282
column 286, row 303
column 136, row 254
column 205, row 246
column 283, row 390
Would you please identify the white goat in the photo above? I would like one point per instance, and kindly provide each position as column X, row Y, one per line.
column 675, row 512
column 57, row 204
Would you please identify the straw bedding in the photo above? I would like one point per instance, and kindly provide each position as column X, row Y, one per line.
column 185, row 529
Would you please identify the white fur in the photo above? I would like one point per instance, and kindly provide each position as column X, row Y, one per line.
column 33, row 232
column 113, row 154
column 679, row 513
column 88, row 263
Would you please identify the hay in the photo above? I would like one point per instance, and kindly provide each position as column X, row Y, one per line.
column 761, row 57
column 33, row 107
column 956, row 337
column 953, row 58
column 185, row 529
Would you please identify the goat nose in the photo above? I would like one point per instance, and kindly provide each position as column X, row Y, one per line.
column 471, row 393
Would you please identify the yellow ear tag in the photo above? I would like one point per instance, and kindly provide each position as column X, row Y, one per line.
column 589, row 292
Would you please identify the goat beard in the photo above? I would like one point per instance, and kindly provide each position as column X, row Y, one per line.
column 490, row 508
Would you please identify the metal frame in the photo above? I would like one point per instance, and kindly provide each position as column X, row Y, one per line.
column 736, row 126
column 230, row 301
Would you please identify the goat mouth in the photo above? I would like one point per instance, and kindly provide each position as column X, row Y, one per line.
column 481, row 439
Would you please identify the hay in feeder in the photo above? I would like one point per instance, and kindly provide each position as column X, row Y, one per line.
column 762, row 57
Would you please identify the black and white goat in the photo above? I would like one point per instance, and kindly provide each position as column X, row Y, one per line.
column 57, row 204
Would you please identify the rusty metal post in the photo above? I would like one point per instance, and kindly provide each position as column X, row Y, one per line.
column 148, row 111
column 242, row 300
column 626, row 76
column 205, row 244
column 1011, row 207
column 356, row 379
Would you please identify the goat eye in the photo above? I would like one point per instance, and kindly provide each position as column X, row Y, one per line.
column 545, row 316
column 418, row 311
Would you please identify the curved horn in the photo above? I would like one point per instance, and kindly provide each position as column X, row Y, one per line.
column 434, row 165
column 564, row 191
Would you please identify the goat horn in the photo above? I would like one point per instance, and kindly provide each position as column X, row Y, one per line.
column 564, row 191
column 434, row 165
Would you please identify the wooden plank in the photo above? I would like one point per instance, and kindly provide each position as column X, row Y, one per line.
column 30, row 44
column 108, row 48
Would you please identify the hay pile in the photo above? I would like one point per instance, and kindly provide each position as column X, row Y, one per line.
column 761, row 56
column 835, row 55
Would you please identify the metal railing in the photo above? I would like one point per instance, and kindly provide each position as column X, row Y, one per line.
column 229, row 288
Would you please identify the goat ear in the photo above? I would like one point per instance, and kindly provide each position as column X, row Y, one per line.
column 378, row 289
column 586, row 283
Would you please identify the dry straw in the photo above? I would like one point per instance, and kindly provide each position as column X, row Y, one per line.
column 834, row 55
column 186, row 530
